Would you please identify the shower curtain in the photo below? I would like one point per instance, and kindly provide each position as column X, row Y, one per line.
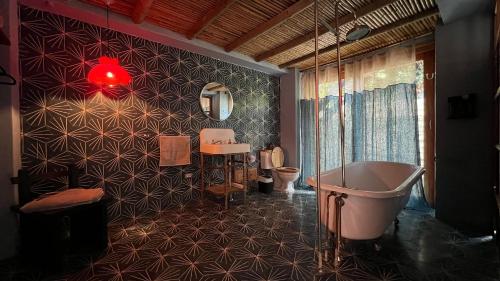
column 380, row 110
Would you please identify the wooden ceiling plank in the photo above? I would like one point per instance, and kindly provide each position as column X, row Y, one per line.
column 384, row 29
column 294, row 9
column 210, row 16
column 367, row 9
column 141, row 10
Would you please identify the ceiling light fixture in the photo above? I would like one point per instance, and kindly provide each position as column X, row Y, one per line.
column 108, row 71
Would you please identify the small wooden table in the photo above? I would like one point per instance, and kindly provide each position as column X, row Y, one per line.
column 227, row 187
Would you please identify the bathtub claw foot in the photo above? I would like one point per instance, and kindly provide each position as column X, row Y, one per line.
column 396, row 225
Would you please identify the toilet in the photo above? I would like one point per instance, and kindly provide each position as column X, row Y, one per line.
column 283, row 177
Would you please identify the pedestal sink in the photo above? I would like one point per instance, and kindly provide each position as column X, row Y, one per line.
column 225, row 148
column 216, row 141
column 219, row 143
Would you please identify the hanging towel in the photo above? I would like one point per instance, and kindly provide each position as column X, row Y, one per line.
column 64, row 199
column 175, row 150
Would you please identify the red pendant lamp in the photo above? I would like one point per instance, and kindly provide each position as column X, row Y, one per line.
column 108, row 71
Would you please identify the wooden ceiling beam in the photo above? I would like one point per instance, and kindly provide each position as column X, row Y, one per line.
column 365, row 10
column 384, row 29
column 294, row 9
column 209, row 17
column 141, row 10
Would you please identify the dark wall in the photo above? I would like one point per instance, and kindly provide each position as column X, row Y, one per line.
column 464, row 147
column 113, row 134
column 9, row 148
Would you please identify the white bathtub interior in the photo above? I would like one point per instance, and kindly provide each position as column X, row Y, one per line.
column 383, row 176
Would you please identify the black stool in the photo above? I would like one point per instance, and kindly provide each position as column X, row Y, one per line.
column 45, row 237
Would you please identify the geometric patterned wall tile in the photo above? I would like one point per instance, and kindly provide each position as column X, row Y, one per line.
column 112, row 134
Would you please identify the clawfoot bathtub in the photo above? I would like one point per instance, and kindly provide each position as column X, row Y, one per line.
column 376, row 193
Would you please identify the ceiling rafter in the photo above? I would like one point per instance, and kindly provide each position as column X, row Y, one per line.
column 141, row 10
column 367, row 9
column 210, row 16
column 381, row 30
column 294, row 9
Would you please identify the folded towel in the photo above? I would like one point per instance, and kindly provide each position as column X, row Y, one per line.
column 64, row 199
column 175, row 150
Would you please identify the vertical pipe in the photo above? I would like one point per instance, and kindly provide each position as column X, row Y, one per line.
column 327, row 224
column 202, row 176
column 339, row 197
column 341, row 96
column 245, row 178
column 226, row 181
column 318, row 163
column 339, row 202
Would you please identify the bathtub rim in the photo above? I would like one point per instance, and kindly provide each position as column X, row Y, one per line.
column 398, row 191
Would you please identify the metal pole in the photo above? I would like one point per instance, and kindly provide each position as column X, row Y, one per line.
column 339, row 201
column 341, row 96
column 318, row 159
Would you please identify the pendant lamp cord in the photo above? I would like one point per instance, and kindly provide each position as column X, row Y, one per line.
column 107, row 28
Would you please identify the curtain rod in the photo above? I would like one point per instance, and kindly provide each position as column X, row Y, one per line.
column 417, row 40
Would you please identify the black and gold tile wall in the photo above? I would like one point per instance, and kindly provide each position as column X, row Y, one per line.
column 112, row 134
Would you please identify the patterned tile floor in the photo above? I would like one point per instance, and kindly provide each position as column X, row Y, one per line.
column 270, row 239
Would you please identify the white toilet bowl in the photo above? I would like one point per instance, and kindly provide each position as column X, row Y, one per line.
column 285, row 177
column 276, row 179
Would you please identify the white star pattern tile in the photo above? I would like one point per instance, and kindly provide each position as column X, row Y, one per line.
column 112, row 134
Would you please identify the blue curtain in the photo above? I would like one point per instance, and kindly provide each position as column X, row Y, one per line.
column 380, row 125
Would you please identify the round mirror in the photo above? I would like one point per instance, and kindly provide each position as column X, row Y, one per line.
column 277, row 157
column 216, row 101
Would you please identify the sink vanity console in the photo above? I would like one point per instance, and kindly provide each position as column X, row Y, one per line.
column 220, row 143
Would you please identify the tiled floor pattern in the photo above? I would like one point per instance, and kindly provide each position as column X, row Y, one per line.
column 271, row 238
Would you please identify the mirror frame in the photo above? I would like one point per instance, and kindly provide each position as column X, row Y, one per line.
column 201, row 106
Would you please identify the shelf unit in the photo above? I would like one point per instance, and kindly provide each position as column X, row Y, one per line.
column 228, row 186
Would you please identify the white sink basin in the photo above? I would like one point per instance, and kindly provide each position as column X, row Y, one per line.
column 225, row 148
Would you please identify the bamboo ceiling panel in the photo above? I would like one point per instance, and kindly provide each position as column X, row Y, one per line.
column 375, row 20
column 243, row 16
column 240, row 18
column 179, row 16
column 291, row 28
column 394, row 36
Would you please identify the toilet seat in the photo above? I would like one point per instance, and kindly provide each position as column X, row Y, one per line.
column 287, row 170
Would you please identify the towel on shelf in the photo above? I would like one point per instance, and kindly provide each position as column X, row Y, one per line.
column 175, row 150
column 64, row 199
